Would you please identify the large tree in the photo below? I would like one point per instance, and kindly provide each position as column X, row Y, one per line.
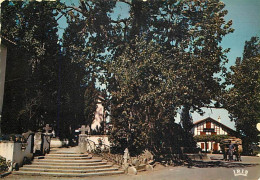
column 189, row 36
column 84, row 47
column 141, row 96
column 242, row 99
column 31, row 83
column 161, row 57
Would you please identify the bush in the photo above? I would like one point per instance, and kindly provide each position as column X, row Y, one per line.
column 3, row 164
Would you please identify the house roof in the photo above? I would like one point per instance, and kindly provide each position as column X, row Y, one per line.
column 216, row 122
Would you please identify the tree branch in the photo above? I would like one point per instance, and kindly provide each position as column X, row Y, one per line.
column 125, row 1
column 83, row 6
column 119, row 21
column 74, row 8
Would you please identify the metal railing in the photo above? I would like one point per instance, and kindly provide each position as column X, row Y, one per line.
column 97, row 148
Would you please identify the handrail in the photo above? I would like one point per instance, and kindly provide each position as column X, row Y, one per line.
column 98, row 145
column 95, row 145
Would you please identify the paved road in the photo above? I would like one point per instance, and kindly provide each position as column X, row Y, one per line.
column 208, row 170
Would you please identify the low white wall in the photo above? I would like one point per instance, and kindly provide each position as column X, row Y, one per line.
column 95, row 138
column 7, row 150
column 14, row 152
column 57, row 143
column 91, row 142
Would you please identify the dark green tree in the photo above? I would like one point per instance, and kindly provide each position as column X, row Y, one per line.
column 242, row 98
column 31, row 83
column 186, row 119
column 188, row 35
column 84, row 47
column 73, row 79
column 90, row 97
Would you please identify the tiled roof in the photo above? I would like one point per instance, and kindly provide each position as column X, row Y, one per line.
column 216, row 122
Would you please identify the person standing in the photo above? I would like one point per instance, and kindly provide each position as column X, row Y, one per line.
column 231, row 151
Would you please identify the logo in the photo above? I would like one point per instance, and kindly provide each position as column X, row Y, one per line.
column 240, row 172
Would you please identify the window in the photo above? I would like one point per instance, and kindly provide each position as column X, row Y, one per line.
column 208, row 125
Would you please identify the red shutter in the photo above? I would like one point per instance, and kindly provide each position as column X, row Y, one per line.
column 208, row 125
column 215, row 147
column 202, row 146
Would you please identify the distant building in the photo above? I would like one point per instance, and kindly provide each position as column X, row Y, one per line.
column 211, row 127
column 99, row 116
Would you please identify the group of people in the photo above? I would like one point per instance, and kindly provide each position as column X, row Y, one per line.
column 230, row 150
column 230, row 147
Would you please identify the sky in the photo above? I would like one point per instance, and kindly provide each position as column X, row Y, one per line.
column 245, row 15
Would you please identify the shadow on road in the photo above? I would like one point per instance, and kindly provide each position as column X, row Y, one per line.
column 209, row 164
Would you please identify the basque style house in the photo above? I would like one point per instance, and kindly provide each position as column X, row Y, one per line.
column 211, row 127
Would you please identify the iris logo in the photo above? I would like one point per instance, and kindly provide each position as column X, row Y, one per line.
column 240, row 172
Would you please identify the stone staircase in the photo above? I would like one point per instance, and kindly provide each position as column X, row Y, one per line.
column 68, row 164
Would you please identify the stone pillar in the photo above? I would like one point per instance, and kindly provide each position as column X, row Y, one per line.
column 83, row 143
column 126, row 158
column 83, row 138
column 48, row 138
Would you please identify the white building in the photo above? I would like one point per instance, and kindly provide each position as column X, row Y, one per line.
column 99, row 116
column 211, row 127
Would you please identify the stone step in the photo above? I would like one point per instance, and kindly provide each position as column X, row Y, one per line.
column 72, row 163
column 67, row 161
column 66, row 158
column 63, row 152
column 68, row 170
column 68, row 167
column 66, row 155
column 31, row 173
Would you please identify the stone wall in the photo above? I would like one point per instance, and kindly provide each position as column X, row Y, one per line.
column 131, row 165
column 17, row 152
column 120, row 159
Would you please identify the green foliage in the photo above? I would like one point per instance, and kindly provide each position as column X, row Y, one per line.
column 171, row 52
column 3, row 164
column 31, row 79
column 207, row 138
column 73, row 79
column 153, row 62
column 242, row 100
column 186, row 119
column 140, row 95
column 90, row 96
